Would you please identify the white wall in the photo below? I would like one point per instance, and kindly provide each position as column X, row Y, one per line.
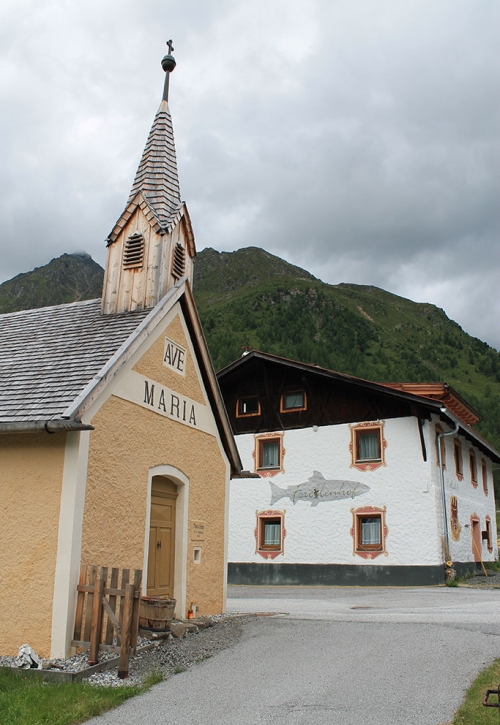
column 470, row 500
column 407, row 486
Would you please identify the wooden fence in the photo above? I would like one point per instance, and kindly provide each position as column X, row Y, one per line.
column 107, row 613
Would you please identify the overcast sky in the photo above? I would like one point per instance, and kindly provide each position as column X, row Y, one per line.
column 358, row 139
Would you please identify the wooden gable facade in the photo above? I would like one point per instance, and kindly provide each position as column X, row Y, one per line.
column 329, row 398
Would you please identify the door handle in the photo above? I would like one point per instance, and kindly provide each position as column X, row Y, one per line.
column 158, row 544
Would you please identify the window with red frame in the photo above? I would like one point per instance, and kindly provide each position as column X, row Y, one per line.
column 486, row 534
column 473, row 467
column 442, row 446
column 459, row 461
column 484, row 471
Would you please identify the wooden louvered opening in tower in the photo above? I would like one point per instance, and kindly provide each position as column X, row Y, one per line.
column 179, row 263
column 133, row 252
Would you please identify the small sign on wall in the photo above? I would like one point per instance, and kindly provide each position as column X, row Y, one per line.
column 198, row 530
column 174, row 356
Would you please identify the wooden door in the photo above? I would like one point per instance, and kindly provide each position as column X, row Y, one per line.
column 161, row 556
column 476, row 539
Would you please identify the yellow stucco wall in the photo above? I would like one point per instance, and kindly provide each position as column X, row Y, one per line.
column 127, row 442
column 31, row 468
column 151, row 364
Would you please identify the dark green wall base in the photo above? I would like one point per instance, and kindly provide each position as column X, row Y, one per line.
column 336, row 574
column 465, row 568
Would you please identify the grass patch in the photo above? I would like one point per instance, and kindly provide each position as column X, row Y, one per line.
column 30, row 701
column 492, row 565
column 472, row 711
column 152, row 679
column 178, row 670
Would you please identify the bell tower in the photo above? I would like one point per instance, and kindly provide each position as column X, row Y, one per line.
column 151, row 247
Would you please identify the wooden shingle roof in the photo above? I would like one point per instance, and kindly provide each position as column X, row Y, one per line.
column 157, row 177
column 49, row 355
column 56, row 361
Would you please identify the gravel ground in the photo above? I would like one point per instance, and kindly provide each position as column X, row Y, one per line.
column 492, row 581
column 167, row 657
column 171, row 656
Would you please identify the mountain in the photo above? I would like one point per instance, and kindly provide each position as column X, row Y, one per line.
column 68, row 278
column 250, row 297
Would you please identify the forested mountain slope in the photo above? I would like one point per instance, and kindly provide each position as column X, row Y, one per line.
column 250, row 297
column 68, row 278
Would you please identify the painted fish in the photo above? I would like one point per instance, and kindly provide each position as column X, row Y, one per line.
column 317, row 489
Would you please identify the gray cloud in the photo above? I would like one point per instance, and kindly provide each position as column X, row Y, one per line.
column 357, row 140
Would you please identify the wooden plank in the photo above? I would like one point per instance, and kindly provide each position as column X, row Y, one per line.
column 112, row 620
column 91, row 578
column 137, row 603
column 124, row 582
column 95, row 626
column 107, row 590
column 119, row 592
column 79, row 604
column 105, row 647
column 112, row 604
column 63, row 676
column 104, row 577
column 128, row 610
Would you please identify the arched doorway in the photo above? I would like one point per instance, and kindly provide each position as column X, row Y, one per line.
column 161, row 554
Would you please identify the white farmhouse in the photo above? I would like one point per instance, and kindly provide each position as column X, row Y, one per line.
column 353, row 482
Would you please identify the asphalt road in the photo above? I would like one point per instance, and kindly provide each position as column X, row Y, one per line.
column 345, row 656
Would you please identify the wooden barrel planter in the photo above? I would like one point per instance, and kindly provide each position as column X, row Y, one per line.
column 156, row 613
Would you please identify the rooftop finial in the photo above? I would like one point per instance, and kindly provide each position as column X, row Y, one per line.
column 168, row 64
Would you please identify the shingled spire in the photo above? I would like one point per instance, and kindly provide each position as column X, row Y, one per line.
column 157, row 176
column 151, row 245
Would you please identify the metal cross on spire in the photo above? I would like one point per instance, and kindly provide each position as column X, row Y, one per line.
column 168, row 65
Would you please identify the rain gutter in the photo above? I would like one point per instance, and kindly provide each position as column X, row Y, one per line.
column 47, row 426
column 443, row 487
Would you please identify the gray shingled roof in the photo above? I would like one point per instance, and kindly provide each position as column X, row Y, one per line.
column 157, row 176
column 48, row 355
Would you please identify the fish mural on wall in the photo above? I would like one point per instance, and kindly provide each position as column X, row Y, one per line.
column 317, row 489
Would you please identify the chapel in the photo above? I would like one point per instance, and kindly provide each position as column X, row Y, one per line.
column 115, row 447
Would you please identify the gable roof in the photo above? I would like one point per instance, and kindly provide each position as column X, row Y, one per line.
column 140, row 202
column 56, row 361
column 316, row 370
column 48, row 355
column 445, row 394
column 244, row 365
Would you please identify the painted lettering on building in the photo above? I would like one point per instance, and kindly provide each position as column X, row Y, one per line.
column 318, row 489
column 174, row 356
column 161, row 400
column 166, row 401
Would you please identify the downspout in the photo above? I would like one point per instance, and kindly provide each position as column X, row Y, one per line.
column 443, row 488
